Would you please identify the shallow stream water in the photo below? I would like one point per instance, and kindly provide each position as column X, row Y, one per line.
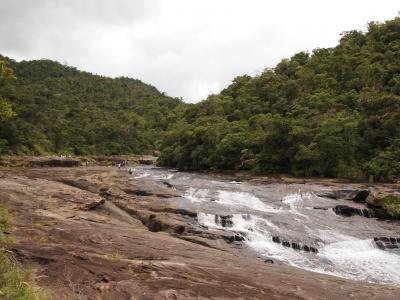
column 259, row 212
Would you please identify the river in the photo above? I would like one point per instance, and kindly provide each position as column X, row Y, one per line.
column 344, row 245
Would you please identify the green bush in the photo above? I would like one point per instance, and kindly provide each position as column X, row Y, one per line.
column 385, row 166
column 18, row 284
column 392, row 206
column 15, row 283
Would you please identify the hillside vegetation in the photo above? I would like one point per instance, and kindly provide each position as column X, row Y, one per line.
column 333, row 112
column 62, row 110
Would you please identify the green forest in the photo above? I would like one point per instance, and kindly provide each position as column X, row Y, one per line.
column 333, row 112
column 58, row 109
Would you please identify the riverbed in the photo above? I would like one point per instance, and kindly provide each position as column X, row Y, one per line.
column 287, row 223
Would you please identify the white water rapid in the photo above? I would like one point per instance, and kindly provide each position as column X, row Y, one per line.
column 280, row 222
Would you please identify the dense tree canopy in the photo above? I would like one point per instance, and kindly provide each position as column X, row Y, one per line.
column 6, row 75
column 332, row 112
column 62, row 110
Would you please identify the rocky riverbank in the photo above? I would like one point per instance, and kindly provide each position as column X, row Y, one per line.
column 94, row 232
column 374, row 196
column 74, row 161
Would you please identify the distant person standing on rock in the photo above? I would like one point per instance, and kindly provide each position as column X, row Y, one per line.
column 130, row 171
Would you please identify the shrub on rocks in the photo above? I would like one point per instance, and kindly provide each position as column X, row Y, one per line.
column 391, row 204
column 15, row 283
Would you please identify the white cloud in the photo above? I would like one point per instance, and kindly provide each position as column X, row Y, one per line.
column 187, row 48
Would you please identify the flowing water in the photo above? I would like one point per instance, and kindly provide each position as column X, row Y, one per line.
column 260, row 212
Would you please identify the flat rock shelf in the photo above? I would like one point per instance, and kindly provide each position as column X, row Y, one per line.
column 98, row 232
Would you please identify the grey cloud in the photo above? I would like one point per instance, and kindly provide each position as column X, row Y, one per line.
column 26, row 26
column 187, row 48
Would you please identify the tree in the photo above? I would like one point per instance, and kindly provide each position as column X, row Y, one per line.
column 67, row 111
column 6, row 76
column 331, row 112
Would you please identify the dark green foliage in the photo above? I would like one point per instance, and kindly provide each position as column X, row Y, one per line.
column 63, row 110
column 6, row 76
column 333, row 112
column 391, row 204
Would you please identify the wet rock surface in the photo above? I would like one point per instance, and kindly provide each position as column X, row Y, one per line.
column 387, row 242
column 224, row 221
column 294, row 245
column 89, row 237
column 372, row 198
column 348, row 211
column 355, row 195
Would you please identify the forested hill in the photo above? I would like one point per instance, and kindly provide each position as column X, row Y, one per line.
column 63, row 110
column 331, row 112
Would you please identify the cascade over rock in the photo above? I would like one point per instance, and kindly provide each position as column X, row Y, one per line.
column 348, row 211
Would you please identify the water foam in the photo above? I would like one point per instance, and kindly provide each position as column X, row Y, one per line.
column 234, row 200
column 208, row 220
column 141, row 176
column 257, row 235
column 243, row 200
column 245, row 223
column 359, row 259
column 295, row 201
column 163, row 176
column 340, row 255
column 198, row 195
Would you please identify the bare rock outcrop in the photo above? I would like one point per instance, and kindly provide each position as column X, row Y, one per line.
column 373, row 199
column 90, row 238
column 356, row 195
column 348, row 211
column 387, row 242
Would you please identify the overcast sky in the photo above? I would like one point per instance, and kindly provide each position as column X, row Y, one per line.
column 186, row 48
